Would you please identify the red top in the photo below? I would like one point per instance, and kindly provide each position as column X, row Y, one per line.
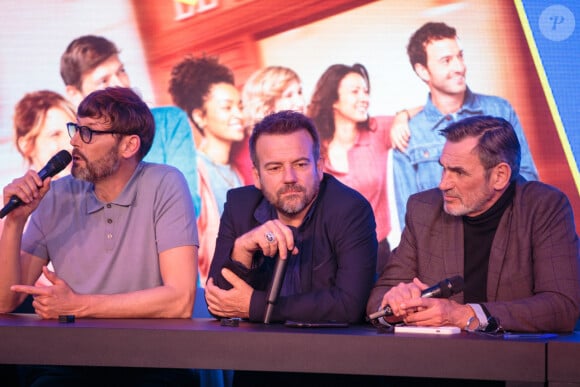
column 367, row 164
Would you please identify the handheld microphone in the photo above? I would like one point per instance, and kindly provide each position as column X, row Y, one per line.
column 56, row 164
column 443, row 289
column 277, row 279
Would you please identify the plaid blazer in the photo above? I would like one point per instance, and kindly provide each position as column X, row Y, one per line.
column 533, row 281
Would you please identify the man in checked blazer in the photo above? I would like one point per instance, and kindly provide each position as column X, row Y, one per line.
column 514, row 242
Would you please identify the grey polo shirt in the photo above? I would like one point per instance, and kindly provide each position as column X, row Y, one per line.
column 108, row 248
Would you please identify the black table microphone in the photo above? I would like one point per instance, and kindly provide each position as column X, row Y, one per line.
column 443, row 289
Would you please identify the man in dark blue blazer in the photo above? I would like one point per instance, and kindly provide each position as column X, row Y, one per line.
column 324, row 229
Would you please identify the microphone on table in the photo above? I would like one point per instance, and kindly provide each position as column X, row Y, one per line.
column 443, row 289
column 56, row 164
column 277, row 279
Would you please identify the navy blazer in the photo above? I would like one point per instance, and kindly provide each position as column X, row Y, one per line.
column 338, row 252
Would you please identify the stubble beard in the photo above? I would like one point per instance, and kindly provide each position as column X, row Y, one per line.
column 98, row 169
column 462, row 208
column 293, row 204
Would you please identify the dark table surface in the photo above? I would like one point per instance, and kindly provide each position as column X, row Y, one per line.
column 204, row 343
column 564, row 360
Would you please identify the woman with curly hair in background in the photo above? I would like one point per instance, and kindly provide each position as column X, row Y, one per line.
column 205, row 90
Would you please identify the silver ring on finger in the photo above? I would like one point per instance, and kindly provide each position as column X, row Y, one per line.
column 270, row 237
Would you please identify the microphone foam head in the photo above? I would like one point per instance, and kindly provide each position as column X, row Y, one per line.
column 456, row 284
column 450, row 286
column 61, row 159
column 58, row 162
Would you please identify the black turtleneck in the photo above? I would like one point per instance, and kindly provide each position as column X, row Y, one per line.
column 478, row 233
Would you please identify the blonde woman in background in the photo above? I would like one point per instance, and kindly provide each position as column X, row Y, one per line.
column 268, row 90
column 40, row 120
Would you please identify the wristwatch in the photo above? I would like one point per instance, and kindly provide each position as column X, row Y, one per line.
column 472, row 324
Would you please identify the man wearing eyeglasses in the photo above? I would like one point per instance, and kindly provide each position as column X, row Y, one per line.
column 120, row 233
column 512, row 240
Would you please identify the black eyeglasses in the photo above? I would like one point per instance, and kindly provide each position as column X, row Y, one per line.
column 87, row 133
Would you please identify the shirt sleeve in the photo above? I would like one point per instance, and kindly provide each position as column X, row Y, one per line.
column 174, row 224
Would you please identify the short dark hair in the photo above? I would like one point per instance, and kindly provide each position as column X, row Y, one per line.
column 326, row 94
column 497, row 140
column 192, row 79
column 82, row 55
column 426, row 34
column 124, row 111
column 284, row 122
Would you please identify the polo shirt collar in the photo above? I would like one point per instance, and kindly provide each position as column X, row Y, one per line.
column 125, row 199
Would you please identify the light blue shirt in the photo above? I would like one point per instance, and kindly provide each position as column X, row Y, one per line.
column 222, row 178
column 173, row 144
column 418, row 169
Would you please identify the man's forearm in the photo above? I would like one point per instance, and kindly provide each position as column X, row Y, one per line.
column 159, row 302
column 241, row 255
column 11, row 273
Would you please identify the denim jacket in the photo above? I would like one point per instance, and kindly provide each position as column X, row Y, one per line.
column 417, row 169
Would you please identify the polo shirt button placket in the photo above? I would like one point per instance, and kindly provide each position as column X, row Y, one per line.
column 109, row 227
